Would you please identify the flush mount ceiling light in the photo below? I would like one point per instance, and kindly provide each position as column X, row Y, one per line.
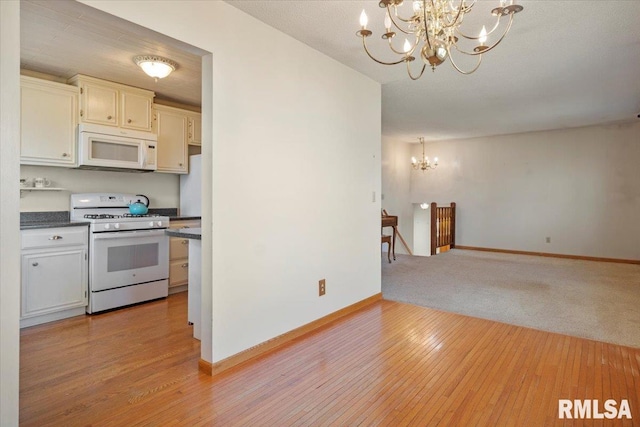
column 424, row 163
column 155, row 66
column 433, row 30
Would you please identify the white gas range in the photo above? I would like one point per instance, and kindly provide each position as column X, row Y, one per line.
column 128, row 254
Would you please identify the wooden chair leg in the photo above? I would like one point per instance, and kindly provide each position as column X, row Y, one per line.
column 387, row 240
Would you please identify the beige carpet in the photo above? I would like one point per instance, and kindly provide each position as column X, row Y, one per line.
column 588, row 299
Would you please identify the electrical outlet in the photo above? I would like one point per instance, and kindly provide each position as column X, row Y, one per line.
column 548, row 239
column 322, row 289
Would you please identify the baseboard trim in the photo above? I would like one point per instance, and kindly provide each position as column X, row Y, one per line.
column 281, row 340
column 550, row 255
column 205, row 367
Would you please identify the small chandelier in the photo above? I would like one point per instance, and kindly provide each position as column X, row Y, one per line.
column 424, row 163
column 434, row 30
column 155, row 66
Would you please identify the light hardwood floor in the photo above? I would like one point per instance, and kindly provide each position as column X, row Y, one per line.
column 387, row 364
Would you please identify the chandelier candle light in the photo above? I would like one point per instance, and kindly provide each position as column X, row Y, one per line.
column 434, row 31
column 424, row 163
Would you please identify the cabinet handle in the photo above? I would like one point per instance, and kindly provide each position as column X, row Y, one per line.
column 190, row 136
column 65, row 154
column 81, row 113
column 180, row 164
column 185, row 265
column 35, row 264
column 129, row 121
column 109, row 117
column 55, row 237
column 184, row 242
column 186, row 226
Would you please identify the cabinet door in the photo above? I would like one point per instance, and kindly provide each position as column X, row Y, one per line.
column 48, row 118
column 171, row 128
column 195, row 129
column 99, row 104
column 178, row 272
column 53, row 280
column 136, row 111
column 178, row 248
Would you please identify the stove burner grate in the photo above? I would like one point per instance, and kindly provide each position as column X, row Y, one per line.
column 128, row 215
column 100, row 216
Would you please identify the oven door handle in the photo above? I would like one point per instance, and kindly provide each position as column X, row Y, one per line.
column 125, row 234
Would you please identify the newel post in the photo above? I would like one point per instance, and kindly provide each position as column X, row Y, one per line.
column 453, row 225
column 434, row 227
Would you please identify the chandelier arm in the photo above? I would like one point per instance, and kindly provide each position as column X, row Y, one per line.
column 394, row 21
column 395, row 12
column 403, row 52
column 478, row 37
column 424, row 17
column 490, row 47
column 424, row 66
column 455, row 21
column 364, row 44
column 459, row 69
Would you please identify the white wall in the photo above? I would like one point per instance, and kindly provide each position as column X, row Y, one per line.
column 580, row 187
column 9, row 218
column 396, row 188
column 296, row 159
column 162, row 189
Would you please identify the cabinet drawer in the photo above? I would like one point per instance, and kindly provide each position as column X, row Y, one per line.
column 178, row 248
column 185, row 223
column 178, row 272
column 55, row 237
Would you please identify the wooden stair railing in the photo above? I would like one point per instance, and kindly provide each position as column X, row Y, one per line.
column 443, row 227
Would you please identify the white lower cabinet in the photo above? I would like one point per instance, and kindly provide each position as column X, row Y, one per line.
column 54, row 274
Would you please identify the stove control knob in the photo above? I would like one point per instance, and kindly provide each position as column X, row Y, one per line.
column 151, row 224
column 159, row 223
column 116, row 226
column 107, row 226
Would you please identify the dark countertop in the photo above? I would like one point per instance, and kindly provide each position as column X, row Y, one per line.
column 29, row 225
column 50, row 219
column 183, row 218
column 185, row 233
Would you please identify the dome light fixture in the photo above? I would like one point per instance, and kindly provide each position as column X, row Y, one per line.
column 155, row 66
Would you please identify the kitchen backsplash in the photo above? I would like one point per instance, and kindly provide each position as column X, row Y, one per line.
column 162, row 189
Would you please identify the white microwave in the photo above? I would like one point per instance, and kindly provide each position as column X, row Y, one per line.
column 111, row 148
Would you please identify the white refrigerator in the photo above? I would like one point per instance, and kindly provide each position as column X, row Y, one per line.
column 190, row 184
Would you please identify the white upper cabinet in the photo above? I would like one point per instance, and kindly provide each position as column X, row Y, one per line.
column 106, row 103
column 49, row 113
column 171, row 126
column 195, row 128
column 98, row 104
column 136, row 110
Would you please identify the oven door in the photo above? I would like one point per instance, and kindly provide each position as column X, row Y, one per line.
column 126, row 258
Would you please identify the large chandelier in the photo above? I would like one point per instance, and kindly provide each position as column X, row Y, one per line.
column 433, row 32
column 424, row 163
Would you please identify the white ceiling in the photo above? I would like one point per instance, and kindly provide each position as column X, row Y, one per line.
column 564, row 63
